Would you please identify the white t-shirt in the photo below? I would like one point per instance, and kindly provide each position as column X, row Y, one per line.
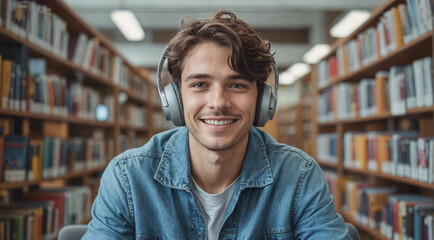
column 214, row 207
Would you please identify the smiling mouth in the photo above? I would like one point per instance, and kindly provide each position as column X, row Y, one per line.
column 218, row 122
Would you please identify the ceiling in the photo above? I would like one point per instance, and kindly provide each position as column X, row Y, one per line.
column 292, row 26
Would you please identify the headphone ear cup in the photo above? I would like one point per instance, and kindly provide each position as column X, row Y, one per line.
column 262, row 114
column 174, row 111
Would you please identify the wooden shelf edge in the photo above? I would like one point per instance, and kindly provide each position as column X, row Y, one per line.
column 12, row 185
column 287, row 123
column 394, row 178
column 68, row 119
column 328, row 124
column 388, row 115
column 327, row 164
column 138, row 129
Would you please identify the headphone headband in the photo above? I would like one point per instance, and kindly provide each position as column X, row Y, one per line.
column 159, row 86
column 171, row 101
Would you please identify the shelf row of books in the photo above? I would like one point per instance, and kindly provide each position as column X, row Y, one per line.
column 131, row 140
column 90, row 54
column 395, row 215
column 160, row 122
column 306, row 112
column 35, row 91
column 41, row 213
column 38, row 24
column 83, row 102
column 411, row 86
column 306, row 89
column 401, row 153
column 124, row 77
column 326, row 147
column 133, row 115
column 289, row 115
column 401, row 88
column 41, row 26
column 398, row 26
column 289, row 130
column 333, row 182
column 307, row 128
column 25, row 158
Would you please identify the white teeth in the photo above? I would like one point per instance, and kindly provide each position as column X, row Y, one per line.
column 218, row 123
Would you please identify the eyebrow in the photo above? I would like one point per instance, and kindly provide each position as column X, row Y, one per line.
column 204, row 75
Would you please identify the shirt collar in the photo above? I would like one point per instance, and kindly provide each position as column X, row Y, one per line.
column 174, row 168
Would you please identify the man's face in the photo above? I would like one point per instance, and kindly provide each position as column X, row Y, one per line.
column 219, row 104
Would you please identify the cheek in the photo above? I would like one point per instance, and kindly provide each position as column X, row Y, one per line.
column 190, row 104
column 247, row 105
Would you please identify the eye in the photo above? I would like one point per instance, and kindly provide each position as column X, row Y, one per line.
column 199, row 85
column 238, row 85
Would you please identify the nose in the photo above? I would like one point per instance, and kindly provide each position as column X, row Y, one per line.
column 219, row 99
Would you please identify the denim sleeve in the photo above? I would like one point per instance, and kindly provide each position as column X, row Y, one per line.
column 315, row 214
column 111, row 218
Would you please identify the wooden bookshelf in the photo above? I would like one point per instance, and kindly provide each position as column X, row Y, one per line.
column 76, row 174
column 99, row 78
column 396, row 179
column 136, row 129
column 420, row 119
column 293, row 121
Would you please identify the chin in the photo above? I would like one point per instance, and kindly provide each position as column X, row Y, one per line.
column 218, row 147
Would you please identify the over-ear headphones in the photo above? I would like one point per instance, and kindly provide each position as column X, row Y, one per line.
column 173, row 110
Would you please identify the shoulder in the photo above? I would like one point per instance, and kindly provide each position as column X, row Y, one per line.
column 282, row 153
column 153, row 149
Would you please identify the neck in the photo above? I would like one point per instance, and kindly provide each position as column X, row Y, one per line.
column 214, row 171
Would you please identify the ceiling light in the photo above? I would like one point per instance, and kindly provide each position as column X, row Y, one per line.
column 293, row 73
column 287, row 78
column 299, row 69
column 350, row 22
column 128, row 24
column 316, row 53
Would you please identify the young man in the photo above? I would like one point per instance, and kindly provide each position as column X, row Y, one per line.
column 218, row 177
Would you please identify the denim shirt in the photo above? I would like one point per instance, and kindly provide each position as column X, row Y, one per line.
column 146, row 193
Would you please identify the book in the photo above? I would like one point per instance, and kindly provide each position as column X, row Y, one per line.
column 35, row 159
column 16, row 225
column 397, row 28
column 419, row 210
column 59, row 205
column 37, row 73
column 393, row 227
column 15, row 158
column 5, row 82
column 32, row 219
column 371, row 202
column 381, row 92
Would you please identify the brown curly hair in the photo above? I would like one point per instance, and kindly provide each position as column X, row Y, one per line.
column 249, row 54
